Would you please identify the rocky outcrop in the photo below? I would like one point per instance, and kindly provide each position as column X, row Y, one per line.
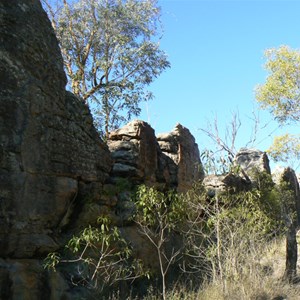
column 169, row 161
column 249, row 163
column 233, row 183
column 54, row 168
column 48, row 144
column 135, row 152
column 252, row 161
column 56, row 174
column 185, row 166
column 49, row 149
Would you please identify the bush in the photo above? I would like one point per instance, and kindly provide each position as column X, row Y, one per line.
column 229, row 234
column 101, row 257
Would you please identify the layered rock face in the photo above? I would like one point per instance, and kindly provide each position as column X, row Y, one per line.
column 48, row 144
column 179, row 145
column 49, row 149
column 135, row 152
column 169, row 160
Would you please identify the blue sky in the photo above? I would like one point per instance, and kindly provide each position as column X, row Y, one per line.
column 216, row 52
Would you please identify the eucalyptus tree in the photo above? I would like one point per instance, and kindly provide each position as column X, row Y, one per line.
column 158, row 217
column 111, row 53
column 281, row 91
column 281, row 95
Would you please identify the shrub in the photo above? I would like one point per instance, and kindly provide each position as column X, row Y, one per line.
column 100, row 255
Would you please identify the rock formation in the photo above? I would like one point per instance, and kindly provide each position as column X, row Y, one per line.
column 54, row 168
column 252, row 161
column 180, row 146
column 171, row 160
column 49, row 150
column 249, row 162
column 230, row 182
column 135, row 152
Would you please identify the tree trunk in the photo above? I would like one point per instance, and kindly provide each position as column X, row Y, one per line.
column 291, row 254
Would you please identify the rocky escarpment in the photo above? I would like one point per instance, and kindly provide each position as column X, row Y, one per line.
column 50, row 153
column 48, row 145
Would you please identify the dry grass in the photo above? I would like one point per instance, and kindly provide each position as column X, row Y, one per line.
column 262, row 283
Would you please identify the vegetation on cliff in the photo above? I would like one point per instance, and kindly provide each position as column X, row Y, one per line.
column 206, row 245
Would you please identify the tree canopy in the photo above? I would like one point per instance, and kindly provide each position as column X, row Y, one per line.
column 281, row 91
column 281, row 95
column 111, row 53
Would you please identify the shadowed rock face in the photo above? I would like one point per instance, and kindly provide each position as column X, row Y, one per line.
column 50, row 153
column 48, row 145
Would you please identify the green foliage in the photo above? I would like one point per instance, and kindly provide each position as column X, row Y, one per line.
column 285, row 148
column 111, row 53
column 223, row 237
column 51, row 261
column 227, row 233
column 101, row 254
column 280, row 93
column 214, row 163
column 269, row 200
column 158, row 208
column 253, row 212
column 159, row 216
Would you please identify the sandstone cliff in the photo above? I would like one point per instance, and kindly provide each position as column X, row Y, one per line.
column 49, row 149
